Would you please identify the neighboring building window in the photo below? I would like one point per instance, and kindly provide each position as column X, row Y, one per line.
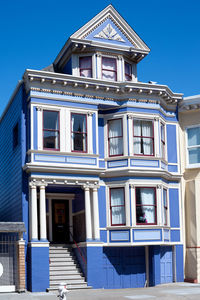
column 193, row 145
column 162, row 133
column 109, row 68
column 85, row 66
column 165, row 206
column 128, row 72
column 79, row 132
column 51, row 131
column 117, row 206
column 15, row 136
column 115, row 137
column 146, row 205
column 143, row 137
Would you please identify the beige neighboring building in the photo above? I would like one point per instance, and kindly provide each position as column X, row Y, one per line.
column 189, row 117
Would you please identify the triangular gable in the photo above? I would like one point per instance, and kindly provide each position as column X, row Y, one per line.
column 108, row 32
column 109, row 27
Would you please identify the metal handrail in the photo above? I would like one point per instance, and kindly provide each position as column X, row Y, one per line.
column 79, row 250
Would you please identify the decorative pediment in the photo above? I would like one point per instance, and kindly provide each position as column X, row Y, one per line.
column 109, row 33
column 109, row 27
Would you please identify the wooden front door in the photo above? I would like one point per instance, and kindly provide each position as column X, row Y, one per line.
column 60, row 216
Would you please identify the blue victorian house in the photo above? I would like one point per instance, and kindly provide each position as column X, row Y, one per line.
column 90, row 164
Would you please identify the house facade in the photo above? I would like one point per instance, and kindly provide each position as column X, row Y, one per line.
column 90, row 158
column 190, row 164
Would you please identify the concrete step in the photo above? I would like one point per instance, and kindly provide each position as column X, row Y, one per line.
column 66, row 272
column 61, row 258
column 62, row 263
column 69, row 281
column 66, row 277
column 56, row 252
column 75, row 287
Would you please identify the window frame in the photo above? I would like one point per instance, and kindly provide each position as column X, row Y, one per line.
column 125, row 74
column 102, row 69
column 110, row 207
column 91, row 69
column 190, row 165
column 163, row 142
column 115, row 137
column 86, row 133
column 52, row 130
column 155, row 201
column 165, row 208
column 153, row 137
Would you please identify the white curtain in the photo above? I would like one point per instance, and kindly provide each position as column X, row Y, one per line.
column 147, row 142
column 118, row 212
column 115, row 137
column 86, row 66
column 72, row 133
column 148, row 199
column 109, row 68
column 137, row 140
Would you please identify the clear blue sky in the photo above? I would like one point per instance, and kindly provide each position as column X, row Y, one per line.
column 32, row 32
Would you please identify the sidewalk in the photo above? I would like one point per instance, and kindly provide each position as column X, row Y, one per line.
column 175, row 291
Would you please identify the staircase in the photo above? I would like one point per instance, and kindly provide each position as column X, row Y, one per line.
column 63, row 268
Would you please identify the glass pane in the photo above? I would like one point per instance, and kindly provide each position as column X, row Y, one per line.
column 109, row 75
column 79, row 123
column 137, row 128
column 79, row 141
column 86, row 73
column 137, row 146
column 118, row 215
column 109, row 63
column 147, row 144
column 116, row 146
column 117, row 196
column 51, row 139
column 164, row 197
column 162, row 132
column 147, row 128
column 194, row 156
column 115, row 128
column 127, row 69
column 85, row 62
column 193, row 136
column 145, row 196
column 145, row 214
column 50, row 120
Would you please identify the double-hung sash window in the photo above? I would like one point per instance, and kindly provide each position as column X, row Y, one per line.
column 143, row 137
column 165, row 207
column 109, row 68
column 51, row 131
column 79, row 132
column 128, row 72
column 162, row 139
column 115, row 137
column 85, row 66
column 146, row 205
column 193, row 135
column 117, row 206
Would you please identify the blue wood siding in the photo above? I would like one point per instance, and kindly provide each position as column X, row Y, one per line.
column 174, row 208
column 11, row 162
column 171, row 144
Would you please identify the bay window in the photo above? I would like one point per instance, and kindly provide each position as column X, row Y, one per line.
column 162, row 139
column 85, row 66
column 165, row 207
column 128, row 71
column 143, row 137
column 109, row 68
column 79, row 132
column 51, row 131
column 115, row 137
column 117, row 206
column 193, row 136
column 146, row 206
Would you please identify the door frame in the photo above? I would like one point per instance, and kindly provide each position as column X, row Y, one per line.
column 57, row 196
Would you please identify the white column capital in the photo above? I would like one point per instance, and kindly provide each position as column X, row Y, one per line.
column 90, row 113
column 43, row 231
column 132, row 186
column 130, row 116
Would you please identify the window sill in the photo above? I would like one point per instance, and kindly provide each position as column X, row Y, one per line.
column 61, row 153
column 193, row 166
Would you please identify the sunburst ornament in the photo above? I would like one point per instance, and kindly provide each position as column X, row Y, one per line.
column 109, row 33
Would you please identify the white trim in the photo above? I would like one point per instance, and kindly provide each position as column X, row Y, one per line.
column 40, row 128
column 38, row 244
column 7, row 289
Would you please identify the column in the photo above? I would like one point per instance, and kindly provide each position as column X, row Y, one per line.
column 34, row 218
column 96, row 213
column 43, row 227
column 88, row 221
column 21, row 265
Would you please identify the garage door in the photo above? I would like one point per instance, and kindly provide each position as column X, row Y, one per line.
column 124, row 267
column 166, row 264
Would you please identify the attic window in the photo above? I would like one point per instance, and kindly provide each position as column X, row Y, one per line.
column 109, row 68
column 85, row 66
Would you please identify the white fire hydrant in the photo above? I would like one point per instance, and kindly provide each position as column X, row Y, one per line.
column 62, row 291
